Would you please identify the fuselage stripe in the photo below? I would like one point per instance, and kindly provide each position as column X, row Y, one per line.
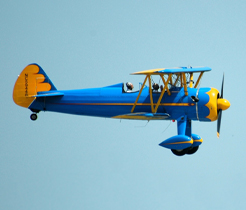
column 126, row 104
column 183, row 142
column 198, row 140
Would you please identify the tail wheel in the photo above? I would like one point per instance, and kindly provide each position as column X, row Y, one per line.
column 34, row 116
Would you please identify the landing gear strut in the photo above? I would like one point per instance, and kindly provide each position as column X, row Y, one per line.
column 34, row 116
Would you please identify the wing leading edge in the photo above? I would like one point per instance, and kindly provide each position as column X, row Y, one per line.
column 174, row 70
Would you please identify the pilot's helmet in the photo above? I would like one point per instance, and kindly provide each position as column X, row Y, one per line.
column 155, row 86
column 129, row 86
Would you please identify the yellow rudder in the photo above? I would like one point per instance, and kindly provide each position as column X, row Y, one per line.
column 31, row 81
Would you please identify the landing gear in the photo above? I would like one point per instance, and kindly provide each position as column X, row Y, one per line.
column 179, row 152
column 192, row 150
column 34, row 116
column 188, row 151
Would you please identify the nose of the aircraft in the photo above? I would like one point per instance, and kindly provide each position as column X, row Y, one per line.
column 223, row 104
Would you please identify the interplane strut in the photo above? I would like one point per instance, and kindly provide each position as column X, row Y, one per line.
column 148, row 77
column 179, row 81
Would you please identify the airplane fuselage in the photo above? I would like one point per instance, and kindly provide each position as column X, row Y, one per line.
column 113, row 101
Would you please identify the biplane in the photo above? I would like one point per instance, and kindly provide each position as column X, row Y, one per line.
column 177, row 96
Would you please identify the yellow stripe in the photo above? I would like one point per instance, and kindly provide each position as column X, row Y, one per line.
column 151, row 71
column 177, row 104
column 182, row 142
column 134, row 117
column 198, row 140
column 130, row 104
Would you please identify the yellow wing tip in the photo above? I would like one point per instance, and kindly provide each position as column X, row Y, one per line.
column 151, row 71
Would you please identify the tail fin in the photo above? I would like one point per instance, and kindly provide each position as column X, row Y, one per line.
column 32, row 80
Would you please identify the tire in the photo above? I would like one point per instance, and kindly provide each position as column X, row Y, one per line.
column 192, row 150
column 34, row 117
column 179, row 152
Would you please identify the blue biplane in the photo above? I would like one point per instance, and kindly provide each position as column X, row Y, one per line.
column 176, row 97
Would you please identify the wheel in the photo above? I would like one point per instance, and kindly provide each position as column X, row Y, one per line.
column 179, row 152
column 34, row 117
column 192, row 150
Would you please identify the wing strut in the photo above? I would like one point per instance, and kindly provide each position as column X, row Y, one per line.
column 185, row 84
column 139, row 94
column 154, row 108
column 191, row 80
column 150, row 94
column 177, row 79
column 198, row 80
column 163, row 91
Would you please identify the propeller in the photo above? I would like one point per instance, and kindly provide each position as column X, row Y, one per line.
column 219, row 122
column 222, row 104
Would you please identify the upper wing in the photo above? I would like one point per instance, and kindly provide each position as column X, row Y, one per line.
column 175, row 70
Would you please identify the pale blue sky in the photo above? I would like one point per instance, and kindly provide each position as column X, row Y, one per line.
column 71, row 162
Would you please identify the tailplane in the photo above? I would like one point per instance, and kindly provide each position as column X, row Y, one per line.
column 32, row 80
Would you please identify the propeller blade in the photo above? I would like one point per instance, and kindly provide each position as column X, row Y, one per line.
column 219, row 122
column 220, row 110
column 221, row 93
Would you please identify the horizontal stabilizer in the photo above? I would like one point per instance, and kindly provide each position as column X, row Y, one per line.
column 143, row 116
column 49, row 94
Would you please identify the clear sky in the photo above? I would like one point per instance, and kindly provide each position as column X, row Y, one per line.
column 72, row 162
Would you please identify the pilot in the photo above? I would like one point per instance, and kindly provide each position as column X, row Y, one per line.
column 155, row 87
column 129, row 87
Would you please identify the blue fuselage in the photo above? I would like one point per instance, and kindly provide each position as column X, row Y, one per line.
column 113, row 101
